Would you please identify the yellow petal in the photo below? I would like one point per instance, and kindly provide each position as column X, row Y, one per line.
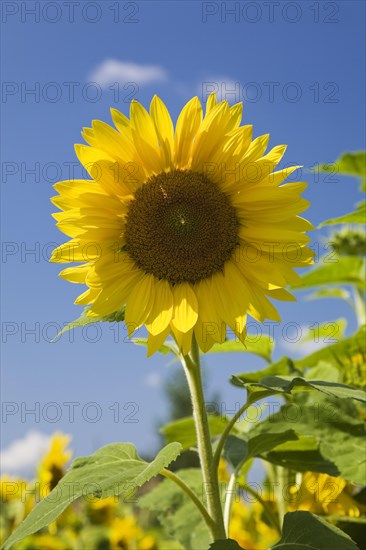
column 121, row 122
column 90, row 157
column 209, row 324
column 154, row 342
column 211, row 136
column 228, row 160
column 162, row 309
column 211, row 102
column 204, row 341
column 281, row 294
column 261, row 307
column 101, row 166
column 75, row 188
column 183, row 339
column 75, row 274
column 106, row 138
column 236, row 114
column 185, row 311
column 256, row 149
column 119, row 178
column 87, row 297
column 139, row 304
column 257, row 264
column 272, row 234
column 113, row 296
column 232, row 297
column 164, row 130
column 237, row 290
column 144, row 137
column 112, row 266
column 187, row 127
column 276, row 178
column 260, row 169
column 76, row 251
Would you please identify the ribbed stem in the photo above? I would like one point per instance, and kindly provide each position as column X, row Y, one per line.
column 191, row 364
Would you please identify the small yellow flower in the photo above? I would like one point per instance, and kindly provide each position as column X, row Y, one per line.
column 223, row 472
column 47, row 542
column 187, row 228
column 248, row 528
column 52, row 466
column 12, row 489
column 102, row 510
column 324, row 494
column 354, row 369
column 124, row 532
column 148, row 542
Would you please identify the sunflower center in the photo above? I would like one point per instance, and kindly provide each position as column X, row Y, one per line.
column 181, row 227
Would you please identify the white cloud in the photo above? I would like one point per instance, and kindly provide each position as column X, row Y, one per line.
column 111, row 71
column 153, row 380
column 22, row 455
column 293, row 344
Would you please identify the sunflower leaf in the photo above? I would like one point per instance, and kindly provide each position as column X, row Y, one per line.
column 115, row 469
column 340, row 354
column 347, row 356
column 184, row 430
column 168, row 347
column 85, row 319
column 284, row 366
column 286, row 384
column 349, row 164
column 305, row 531
column 175, row 511
column 329, row 332
column 357, row 216
column 301, row 455
column 346, row 270
column 329, row 293
column 238, row 450
column 331, row 436
column 263, row 347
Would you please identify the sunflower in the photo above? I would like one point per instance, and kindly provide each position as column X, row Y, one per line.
column 324, row 494
column 186, row 230
column 52, row 466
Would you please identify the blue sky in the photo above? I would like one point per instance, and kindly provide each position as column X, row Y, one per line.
column 298, row 66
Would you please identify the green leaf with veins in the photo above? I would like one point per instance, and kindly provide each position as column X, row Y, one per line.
column 305, row 531
column 115, row 469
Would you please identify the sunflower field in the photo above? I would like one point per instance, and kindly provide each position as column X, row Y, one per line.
column 188, row 290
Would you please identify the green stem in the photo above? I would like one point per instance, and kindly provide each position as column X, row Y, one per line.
column 179, row 481
column 281, row 481
column 192, row 369
column 272, row 516
column 226, row 433
column 359, row 305
column 229, row 501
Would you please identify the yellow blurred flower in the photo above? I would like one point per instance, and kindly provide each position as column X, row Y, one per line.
column 124, row 531
column 324, row 494
column 248, row 528
column 102, row 510
column 52, row 466
column 12, row 488
column 45, row 542
column 354, row 371
column 223, row 472
column 148, row 542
